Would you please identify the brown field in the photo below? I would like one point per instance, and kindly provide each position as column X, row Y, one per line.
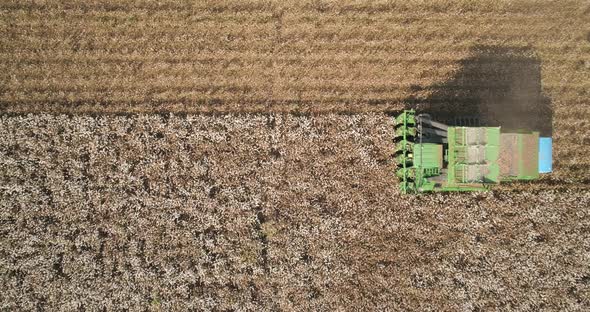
column 274, row 212
column 517, row 59
column 220, row 56
column 236, row 155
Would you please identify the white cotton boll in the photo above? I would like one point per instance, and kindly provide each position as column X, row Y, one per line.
column 224, row 211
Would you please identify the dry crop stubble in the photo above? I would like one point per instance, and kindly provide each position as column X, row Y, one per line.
column 126, row 56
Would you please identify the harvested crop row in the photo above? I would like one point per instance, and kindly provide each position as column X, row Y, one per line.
column 261, row 56
column 276, row 212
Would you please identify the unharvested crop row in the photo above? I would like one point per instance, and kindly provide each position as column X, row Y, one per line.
column 274, row 211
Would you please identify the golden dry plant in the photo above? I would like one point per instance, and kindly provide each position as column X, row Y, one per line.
column 254, row 56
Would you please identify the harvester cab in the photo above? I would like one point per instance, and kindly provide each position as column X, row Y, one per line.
column 432, row 156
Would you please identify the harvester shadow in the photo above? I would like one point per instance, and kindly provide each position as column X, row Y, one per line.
column 496, row 86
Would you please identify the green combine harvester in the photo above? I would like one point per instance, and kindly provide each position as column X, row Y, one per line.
column 434, row 157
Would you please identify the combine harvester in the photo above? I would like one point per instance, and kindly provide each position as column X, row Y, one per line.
column 434, row 157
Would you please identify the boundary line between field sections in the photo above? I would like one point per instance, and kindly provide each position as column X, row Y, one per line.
column 204, row 113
